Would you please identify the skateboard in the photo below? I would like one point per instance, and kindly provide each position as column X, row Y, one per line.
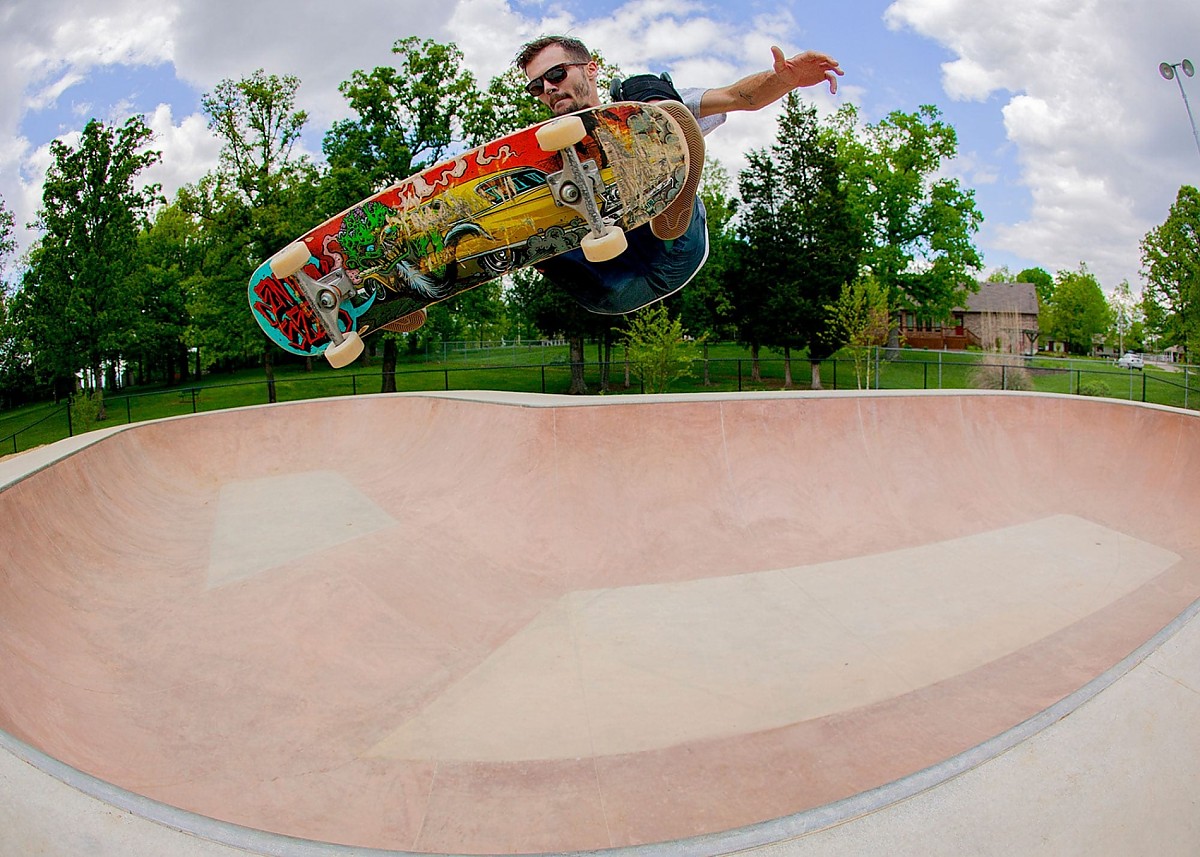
column 580, row 180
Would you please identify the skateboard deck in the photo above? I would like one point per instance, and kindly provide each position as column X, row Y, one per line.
column 576, row 181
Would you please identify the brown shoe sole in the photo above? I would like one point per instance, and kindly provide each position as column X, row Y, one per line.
column 674, row 220
column 408, row 323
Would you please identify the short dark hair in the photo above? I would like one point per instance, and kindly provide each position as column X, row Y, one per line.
column 575, row 49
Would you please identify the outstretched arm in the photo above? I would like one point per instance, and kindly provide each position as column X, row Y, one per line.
column 758, row 90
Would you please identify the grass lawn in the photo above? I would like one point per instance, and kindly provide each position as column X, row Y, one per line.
column 536, row 369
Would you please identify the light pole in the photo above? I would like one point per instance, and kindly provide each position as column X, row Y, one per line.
column 1168, row 71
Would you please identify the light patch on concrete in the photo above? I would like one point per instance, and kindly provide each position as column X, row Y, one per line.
column 268, row 523
column 638, row 668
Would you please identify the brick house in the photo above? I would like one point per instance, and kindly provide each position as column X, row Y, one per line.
column 999, row 317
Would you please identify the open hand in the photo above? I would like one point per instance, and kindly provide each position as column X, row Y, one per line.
column 807, row 69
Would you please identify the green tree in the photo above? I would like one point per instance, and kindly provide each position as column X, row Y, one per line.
column 16, row 377
column 656, row 348
column 79, row 304
column 1126, row 314
column 169, row 254
column 919, row 226
column 7, row 242
column 262, row 199
column 1042, row 282
column 1154, row 320
column 503, row 108
column 706, row 305
column 555, row 313
column 1171, row 269
column 221, row 329
column 862, row 319
column 1078, row 313
column 803, row 237
column 407, row 118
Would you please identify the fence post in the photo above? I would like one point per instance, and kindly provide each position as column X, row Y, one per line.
column 70, row 424
column 446, row 372
column 543, row 371
column 128, row 411
column 739, row 374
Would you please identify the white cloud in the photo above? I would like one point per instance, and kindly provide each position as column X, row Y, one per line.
column 189, row 149
column 1096, row 136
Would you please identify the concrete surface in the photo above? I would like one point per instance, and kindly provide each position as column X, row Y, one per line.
column 489, row 623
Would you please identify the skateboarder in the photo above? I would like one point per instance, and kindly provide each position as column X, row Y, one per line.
column 563, row 76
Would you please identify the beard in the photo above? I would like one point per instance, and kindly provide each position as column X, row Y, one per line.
column 571, row 99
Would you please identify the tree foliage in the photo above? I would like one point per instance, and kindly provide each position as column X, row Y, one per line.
column 920, row 226
column 1171, row 268
column 1078, row 312
column 862, row 318
column 803, row 239
column 256, row 119
column 7, row 242
column 79, row 301
column 407, row 117
column 656, row 348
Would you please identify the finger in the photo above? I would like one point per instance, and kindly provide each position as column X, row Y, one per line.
column 777, row 56
column 832, row 78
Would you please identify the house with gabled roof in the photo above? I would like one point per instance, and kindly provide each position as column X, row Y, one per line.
column 999, row 317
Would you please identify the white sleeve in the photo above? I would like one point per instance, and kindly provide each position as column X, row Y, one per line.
column 691, row 100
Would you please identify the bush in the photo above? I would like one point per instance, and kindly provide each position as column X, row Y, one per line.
column 999, row 372
column 85, row 411
column 657, row 349
column 1093, row 388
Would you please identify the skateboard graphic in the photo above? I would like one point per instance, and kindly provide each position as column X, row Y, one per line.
column 580, row 180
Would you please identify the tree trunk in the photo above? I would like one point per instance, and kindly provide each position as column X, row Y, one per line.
column 269, row 370
column 755, row 368
column 816, row 374
column 98, row 393
column 787, row 367
column 578, row 384
column 391, row 351
column 602, row 354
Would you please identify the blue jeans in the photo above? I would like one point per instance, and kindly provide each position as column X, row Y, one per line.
column 650, row 270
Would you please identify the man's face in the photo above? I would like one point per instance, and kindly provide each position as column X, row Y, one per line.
column 576, row 91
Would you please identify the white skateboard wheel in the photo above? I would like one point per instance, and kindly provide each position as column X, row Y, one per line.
column 601, row 248
column 561, row 133
column 345, row 353
column 289, row 260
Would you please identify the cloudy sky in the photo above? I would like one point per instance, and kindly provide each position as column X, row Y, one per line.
column 1074, row 144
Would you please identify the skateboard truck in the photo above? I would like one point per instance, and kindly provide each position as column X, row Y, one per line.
column 324, row 296
column 577, row 187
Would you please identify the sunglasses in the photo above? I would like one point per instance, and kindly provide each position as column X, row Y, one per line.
column 555, row 74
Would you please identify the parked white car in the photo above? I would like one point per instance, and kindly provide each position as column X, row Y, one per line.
column 1129, row 360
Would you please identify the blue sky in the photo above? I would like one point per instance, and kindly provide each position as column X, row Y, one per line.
column 1073, row 144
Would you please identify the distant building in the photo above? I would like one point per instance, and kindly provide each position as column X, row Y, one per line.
column 999, row 317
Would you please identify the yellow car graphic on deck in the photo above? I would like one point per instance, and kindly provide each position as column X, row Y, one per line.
column 502, row 203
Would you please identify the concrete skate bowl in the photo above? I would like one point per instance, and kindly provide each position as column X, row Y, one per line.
column 482, row 623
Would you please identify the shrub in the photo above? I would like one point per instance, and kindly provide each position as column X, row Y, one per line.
column 1001, row 372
